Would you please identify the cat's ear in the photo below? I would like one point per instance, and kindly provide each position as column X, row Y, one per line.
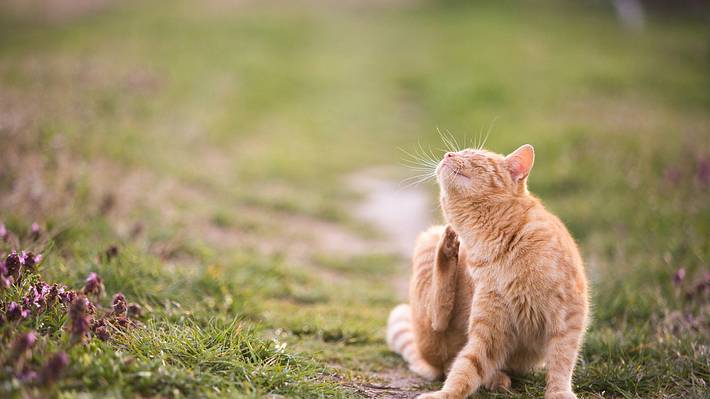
column 520, row 162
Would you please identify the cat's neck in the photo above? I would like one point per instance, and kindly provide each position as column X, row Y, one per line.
column 486, row 227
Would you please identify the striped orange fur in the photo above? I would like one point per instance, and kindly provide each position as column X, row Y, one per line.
column 500, row 289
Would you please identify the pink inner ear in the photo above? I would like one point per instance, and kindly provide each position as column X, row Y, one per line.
column 517, row 170
column 520, row 162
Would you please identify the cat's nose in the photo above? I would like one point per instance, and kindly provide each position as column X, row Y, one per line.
column 450, row 155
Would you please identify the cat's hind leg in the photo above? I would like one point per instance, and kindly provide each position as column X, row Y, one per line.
column 443, row 282
column 417, row 332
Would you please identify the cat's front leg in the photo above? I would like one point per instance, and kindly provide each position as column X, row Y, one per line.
column 487, row 346
column 561, row 357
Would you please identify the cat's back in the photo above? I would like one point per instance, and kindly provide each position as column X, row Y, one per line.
column 543, row 238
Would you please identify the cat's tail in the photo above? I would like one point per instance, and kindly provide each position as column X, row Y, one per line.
column 400, row 339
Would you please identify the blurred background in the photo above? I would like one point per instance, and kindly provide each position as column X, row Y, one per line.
column 247, row 160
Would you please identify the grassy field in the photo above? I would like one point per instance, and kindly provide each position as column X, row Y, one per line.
column 196, row 156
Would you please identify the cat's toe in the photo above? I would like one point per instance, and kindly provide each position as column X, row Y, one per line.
column 450, row 242
column 499, row 382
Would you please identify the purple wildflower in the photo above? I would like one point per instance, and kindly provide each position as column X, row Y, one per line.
column 15, row 312
column 43, row 288
column 135, row 310
column 27, row 304
column 37, row 296
column 13, row 264
column 23, row 343
column 53, row 294
column 94, row 285
column 34, row 294
column 102, row 333
column 96, row 323
column 5, row 282
column 679, row 276
column 67, row 297
column 27, row 375
column 91, row 308
column 30, row 301
column 78, row 318
column 122, row 322
column 30, row 260
column 35, row 232
column 54, row 367
column 119, row 304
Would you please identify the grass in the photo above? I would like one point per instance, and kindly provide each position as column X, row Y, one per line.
column 210, row 142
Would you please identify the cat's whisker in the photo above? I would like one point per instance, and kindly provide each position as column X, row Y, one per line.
column 417, row 177
column 467, row 142
column 417, row 155
column 423, row 170
column 409, row 154
column 446, row 141
column 420, row 173
column 419, row 162
column 478, row 138
column 416, row 180
column 416, row 159
column 490, row 127
column 450, row 177
column 454, row 173
column 434, row 156
column 420, row 168
column 453, row 138
column 428, row 155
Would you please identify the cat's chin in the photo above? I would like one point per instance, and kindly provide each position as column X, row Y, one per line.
column 452, row 191
column 452, row 186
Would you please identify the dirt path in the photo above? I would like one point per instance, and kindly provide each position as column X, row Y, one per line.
column 400, row 213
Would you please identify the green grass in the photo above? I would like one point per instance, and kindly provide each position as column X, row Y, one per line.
column 222, row 135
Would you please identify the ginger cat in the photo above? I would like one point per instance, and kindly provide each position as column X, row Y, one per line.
column 500, row 289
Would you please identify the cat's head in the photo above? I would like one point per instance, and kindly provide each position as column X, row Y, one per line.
column 478, row 175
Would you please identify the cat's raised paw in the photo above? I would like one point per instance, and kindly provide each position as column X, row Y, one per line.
column 449, row 245
column 560, row 395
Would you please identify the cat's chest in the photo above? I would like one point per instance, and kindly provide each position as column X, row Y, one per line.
column 516, row 289
column 491, row 275
column 520, row 293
